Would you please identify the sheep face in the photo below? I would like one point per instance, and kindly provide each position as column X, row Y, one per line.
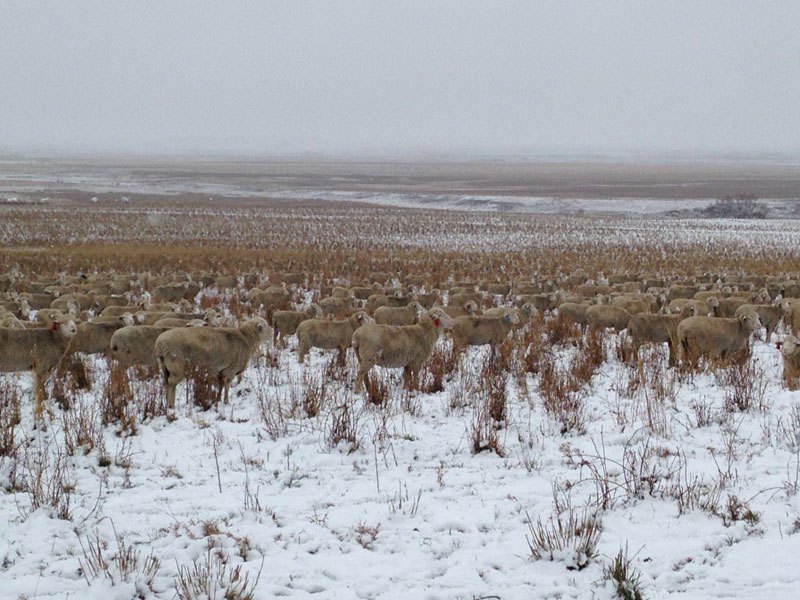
column 750, row 321
column 471, row 307
column 67, row 328
column 263, row 328
column 441, row 319
column 362, row 318
column 511, row 317
column 127, row 319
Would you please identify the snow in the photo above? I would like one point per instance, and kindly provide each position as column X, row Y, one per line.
column 412, row 513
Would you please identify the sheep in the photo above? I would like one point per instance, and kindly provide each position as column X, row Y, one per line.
column 127, row 317
column 791, row 309
column 379, row 277
column 657, row 329
column 221, row 351
column 770, row 315
column 37, row 301
column 294, row 278
column 95, row 337
column 462, row 299
column 498, row 289
column 428, row 301
column 364, row 292
column 394, row 347
column 728, row 306
column 716, row 337
column 406, row 315
column 790, row 352
column 591, row 290
column 398, row 299
column 116, row 311
column 541, row 302
column 285, row 322
column 524, row 313
column 329, row 335
column 102, row 301
column 48, row 315
column 210, row 317
column 574, row 312
column 341, row 292
column 85, row 301
column 709, row 307
column 636, row 303
column 134, row 345
column 681, row 291
column 469, row 308
column 170, row 293
column 336, row 307
column 275, row 297
column 37, row 350
column 480, row 330
column 9, row 321
column 602, row 316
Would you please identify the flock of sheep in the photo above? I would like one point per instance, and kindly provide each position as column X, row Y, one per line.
column 157, row 321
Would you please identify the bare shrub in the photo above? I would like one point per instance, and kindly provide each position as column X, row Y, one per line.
column 439, row 366
column 116, row 402
column 703, row 411
column 9, row 417
column 377, row 390
column 493, row 383
column 484, row 431
column 589, row 357
column 532, row 347
column 126, row 564
column 572, row 539
column 745, row 384
column 561, row 397
column 81, row 430
column 314, row 395
column 624, row 576
column 47, row 480
column 366, row 535
column 150, row 401
column 343, row 429
column 212, row 577
column 203, row 387
column 736, row 510
column 788, row 429
column 559, row 330
column 790, row 376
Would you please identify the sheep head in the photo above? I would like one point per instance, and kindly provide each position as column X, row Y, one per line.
column 440, row 319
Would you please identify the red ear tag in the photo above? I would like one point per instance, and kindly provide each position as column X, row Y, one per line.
column 360, row 318
column 778, row 345
column 437, row 322
column 54, row 326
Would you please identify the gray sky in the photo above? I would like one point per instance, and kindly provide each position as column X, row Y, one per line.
column 393, row 76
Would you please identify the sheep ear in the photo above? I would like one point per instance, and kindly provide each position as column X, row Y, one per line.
column 360, row 317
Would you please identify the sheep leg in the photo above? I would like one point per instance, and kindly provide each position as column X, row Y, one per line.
column 361, row 375
column 341, row 359
column 39, row 397
column 301, row 353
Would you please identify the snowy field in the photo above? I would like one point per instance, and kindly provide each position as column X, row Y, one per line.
column 301, row 488
column 701, row 493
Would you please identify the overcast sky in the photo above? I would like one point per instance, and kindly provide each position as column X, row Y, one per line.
column 400, row 77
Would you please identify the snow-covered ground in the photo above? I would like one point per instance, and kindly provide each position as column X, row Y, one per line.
column 412, row 512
